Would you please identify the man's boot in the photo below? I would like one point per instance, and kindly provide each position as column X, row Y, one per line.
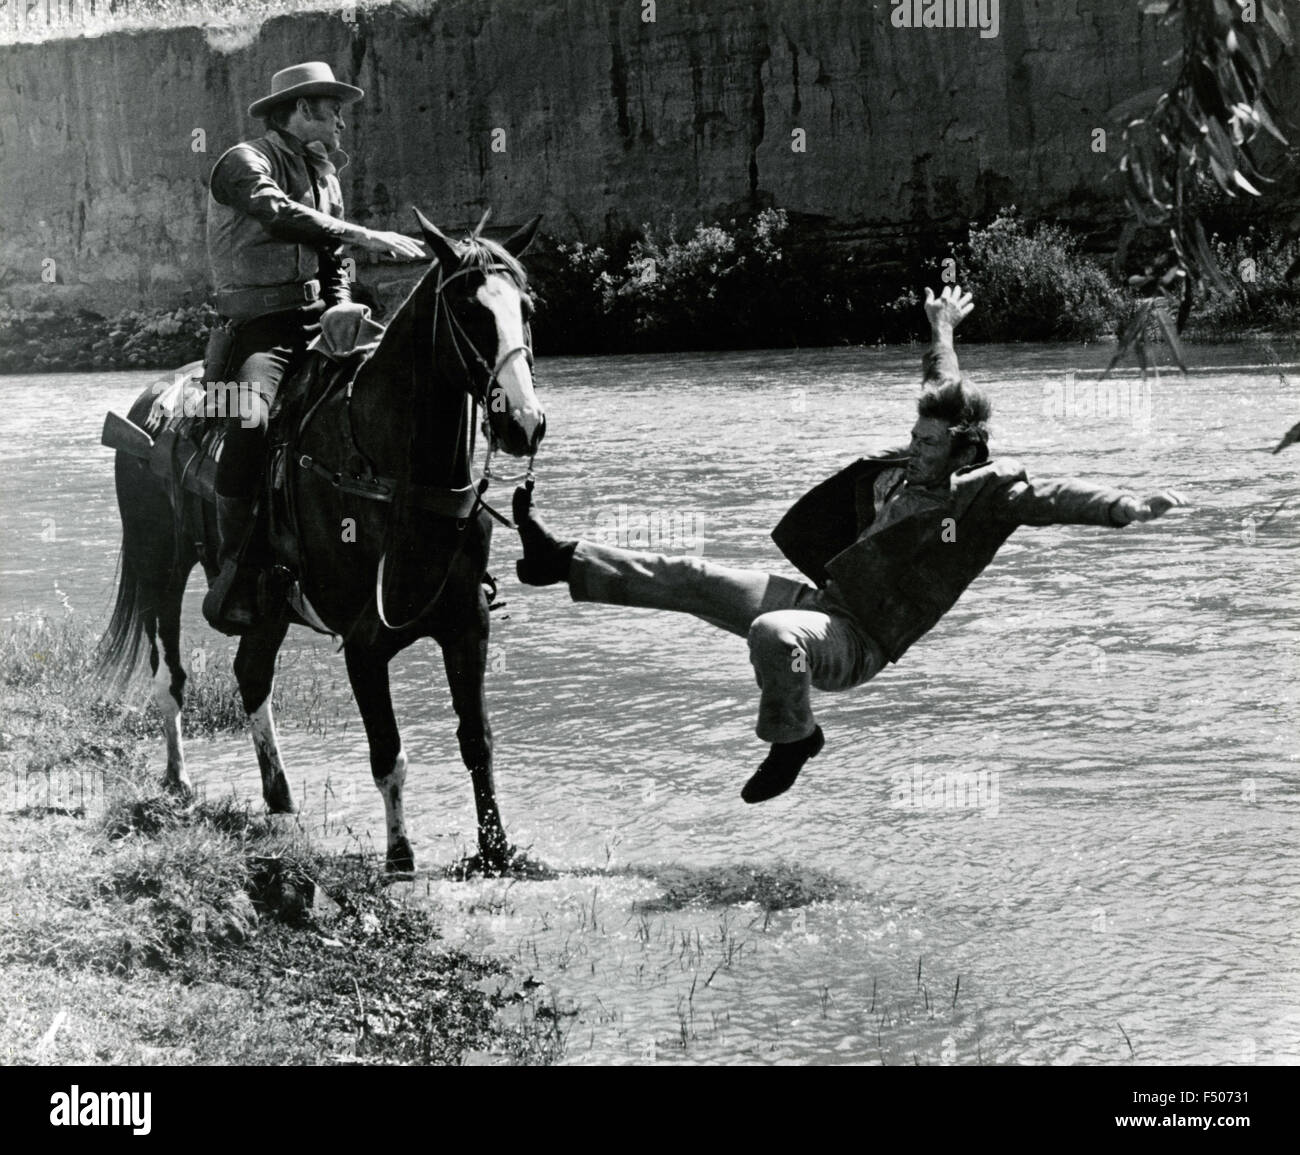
column 781, row 767
column 231, row 602
column 546, row 559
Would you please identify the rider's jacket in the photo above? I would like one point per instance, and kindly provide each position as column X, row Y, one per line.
column 898, row 579
column 275, row 209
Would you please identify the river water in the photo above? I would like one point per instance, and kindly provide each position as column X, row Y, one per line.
column 1062, row 830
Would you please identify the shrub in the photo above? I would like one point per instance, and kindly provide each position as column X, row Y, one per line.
column 1034, row 286
column 752, row 283
column 569, row 283
column 677, row 292
column 1256, row 264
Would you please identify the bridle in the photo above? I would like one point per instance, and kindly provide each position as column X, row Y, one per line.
column 460, row 341
column 458, row 334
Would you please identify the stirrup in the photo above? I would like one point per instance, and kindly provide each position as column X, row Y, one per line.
column 489, row 584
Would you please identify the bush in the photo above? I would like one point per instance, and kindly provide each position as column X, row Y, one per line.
column 766, row 282
column 1034, row 286
column 760, row 282
column 569, row 282
column 684, row 293
column 1255, row 263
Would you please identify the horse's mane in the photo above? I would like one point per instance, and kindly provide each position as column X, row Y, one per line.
column 475, row 252
column 486, row 255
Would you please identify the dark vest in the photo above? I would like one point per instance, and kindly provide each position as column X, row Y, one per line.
column 241, row 252
column 898, row 583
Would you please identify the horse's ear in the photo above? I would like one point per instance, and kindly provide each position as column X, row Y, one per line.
column 517, row 243
column 441, row 247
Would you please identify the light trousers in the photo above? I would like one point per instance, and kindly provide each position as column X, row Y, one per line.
column 798, row 638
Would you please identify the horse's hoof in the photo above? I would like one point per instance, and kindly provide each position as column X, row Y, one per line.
column 501, row 862
column 522, row 865
column 279, row 798
column 401, row 858
column 180, row 789
column 495, row 859
column 474, row 866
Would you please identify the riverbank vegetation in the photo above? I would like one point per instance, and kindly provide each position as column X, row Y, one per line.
column 766, row 281
column 769, row 282
column 136, row 930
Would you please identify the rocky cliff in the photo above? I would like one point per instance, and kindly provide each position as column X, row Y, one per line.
column 584, row 110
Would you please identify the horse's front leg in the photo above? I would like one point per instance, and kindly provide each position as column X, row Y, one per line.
column 368, row 673
column 464, row 654
column 255, row 672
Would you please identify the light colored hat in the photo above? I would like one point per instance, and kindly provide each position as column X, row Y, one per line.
column 311, row 79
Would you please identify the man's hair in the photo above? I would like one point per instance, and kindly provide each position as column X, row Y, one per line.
column 277, row 116
column 964, row 409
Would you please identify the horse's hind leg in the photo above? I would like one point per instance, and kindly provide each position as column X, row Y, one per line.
column 169, row 684
column 368, row 673
column 464, row 654
column 255, row 673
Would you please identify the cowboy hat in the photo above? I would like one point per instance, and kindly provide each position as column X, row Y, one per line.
column 311, row 79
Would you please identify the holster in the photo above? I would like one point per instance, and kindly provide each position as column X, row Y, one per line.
column 216, row 357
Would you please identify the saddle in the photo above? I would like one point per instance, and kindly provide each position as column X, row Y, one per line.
column 188, row 438
column 182, row 440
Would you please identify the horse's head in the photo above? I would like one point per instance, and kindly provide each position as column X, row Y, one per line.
column 486, row 309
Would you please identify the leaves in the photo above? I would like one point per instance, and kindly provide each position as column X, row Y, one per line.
column 1279, row 24
column 1202, row 125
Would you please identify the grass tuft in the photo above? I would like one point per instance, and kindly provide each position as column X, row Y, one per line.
column 773, row 887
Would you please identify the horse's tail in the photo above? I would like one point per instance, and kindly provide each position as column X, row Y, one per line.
column 120, row 647
column 150, row 570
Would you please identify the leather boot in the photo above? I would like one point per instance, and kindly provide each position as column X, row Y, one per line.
column 546, row 559
column 781, row 767
column 231, row 602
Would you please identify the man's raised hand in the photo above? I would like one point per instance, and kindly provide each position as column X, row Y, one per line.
column 949, row 309
column 1148, row 509
column 398, row 244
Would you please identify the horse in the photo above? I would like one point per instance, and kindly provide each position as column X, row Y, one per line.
column 378, row 573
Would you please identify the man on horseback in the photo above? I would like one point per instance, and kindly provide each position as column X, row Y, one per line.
column 891, row 542
column 275, row 234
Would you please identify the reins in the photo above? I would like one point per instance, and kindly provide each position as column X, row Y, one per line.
column 401, row 496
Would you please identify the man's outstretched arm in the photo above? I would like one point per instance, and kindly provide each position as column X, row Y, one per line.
column 243, row 180
column 1080, row 503
column 945, row 312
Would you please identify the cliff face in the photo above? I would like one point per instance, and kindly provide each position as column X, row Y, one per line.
column 579, row 109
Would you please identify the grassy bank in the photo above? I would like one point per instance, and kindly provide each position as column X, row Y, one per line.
column 137, row 931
